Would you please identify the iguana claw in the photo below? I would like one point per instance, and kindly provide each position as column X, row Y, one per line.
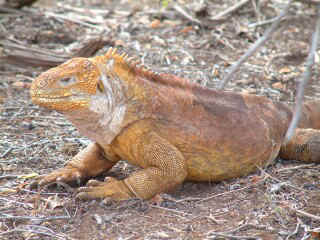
column 66, row 174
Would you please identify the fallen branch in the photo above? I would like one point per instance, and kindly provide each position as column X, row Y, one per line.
column 20, row 55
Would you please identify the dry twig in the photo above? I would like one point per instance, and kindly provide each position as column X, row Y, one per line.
column 75, row 20
column 37, row 219
column 295, row 231
column 304, row 80
column 254, row 47
column 230, row 10
column 233, row 237
column 279, row 181
column 6, row 152
column 312, row 2
column 306, row 214
column 185, row 14
column 36, row 229
column 296, row 167
column 232, row 191
column 268, row 21
column 171, row 210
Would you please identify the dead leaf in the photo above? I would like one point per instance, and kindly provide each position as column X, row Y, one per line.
column 171, row 23
column 314, row 236
column 186, row 29
column 278, row 85
column 155, row 23
column 119, row 42
column 156, row 200
column 54, row 202
column 255, row 179
column 285, row 70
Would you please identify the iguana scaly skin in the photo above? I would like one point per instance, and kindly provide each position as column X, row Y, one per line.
column 172, row 129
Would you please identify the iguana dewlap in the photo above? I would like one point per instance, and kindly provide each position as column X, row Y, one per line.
column 172, row 129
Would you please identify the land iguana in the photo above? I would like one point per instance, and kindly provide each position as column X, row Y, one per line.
column 173, row 129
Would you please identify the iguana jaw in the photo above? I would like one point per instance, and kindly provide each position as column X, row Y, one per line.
column 61, row 102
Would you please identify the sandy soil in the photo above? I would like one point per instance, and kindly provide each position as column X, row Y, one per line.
column 280, row 202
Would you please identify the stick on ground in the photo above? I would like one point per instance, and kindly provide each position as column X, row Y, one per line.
column 304, row 80
column 254, row 47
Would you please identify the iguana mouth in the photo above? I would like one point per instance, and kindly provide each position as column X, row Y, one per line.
column 50, row 97
column 59, row 99
column 59, row 96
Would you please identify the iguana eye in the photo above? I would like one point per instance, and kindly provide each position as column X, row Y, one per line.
column 67, row 81
column 100, row 86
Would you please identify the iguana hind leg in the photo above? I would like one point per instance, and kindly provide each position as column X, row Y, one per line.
column 164, row 168
column 304, row 146
column 89, row 162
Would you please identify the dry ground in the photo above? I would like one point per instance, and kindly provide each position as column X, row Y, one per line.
column 280, row 202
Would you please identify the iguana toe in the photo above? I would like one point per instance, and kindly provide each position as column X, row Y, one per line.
column 113, row 189
column 67, row 174
column 93, row 183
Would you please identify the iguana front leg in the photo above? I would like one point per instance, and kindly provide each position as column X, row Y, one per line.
column 91, row 161
column 164, row 168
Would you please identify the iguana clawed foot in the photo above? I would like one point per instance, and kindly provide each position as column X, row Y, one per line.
column 111, row 188
column 66, row 174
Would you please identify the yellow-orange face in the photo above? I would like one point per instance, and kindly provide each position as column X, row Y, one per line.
column 68, row 86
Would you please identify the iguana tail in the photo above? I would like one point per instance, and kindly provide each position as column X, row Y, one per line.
column 305, row 144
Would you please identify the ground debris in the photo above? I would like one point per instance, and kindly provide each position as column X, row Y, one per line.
column 280, row 202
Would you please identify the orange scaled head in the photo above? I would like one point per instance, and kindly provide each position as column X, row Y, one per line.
column 66, row 87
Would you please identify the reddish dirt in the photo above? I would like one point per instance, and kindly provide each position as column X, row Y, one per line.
column 280, row 202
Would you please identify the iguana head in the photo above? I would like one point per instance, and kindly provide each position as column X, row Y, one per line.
column 67, row 87
column 90, row 92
